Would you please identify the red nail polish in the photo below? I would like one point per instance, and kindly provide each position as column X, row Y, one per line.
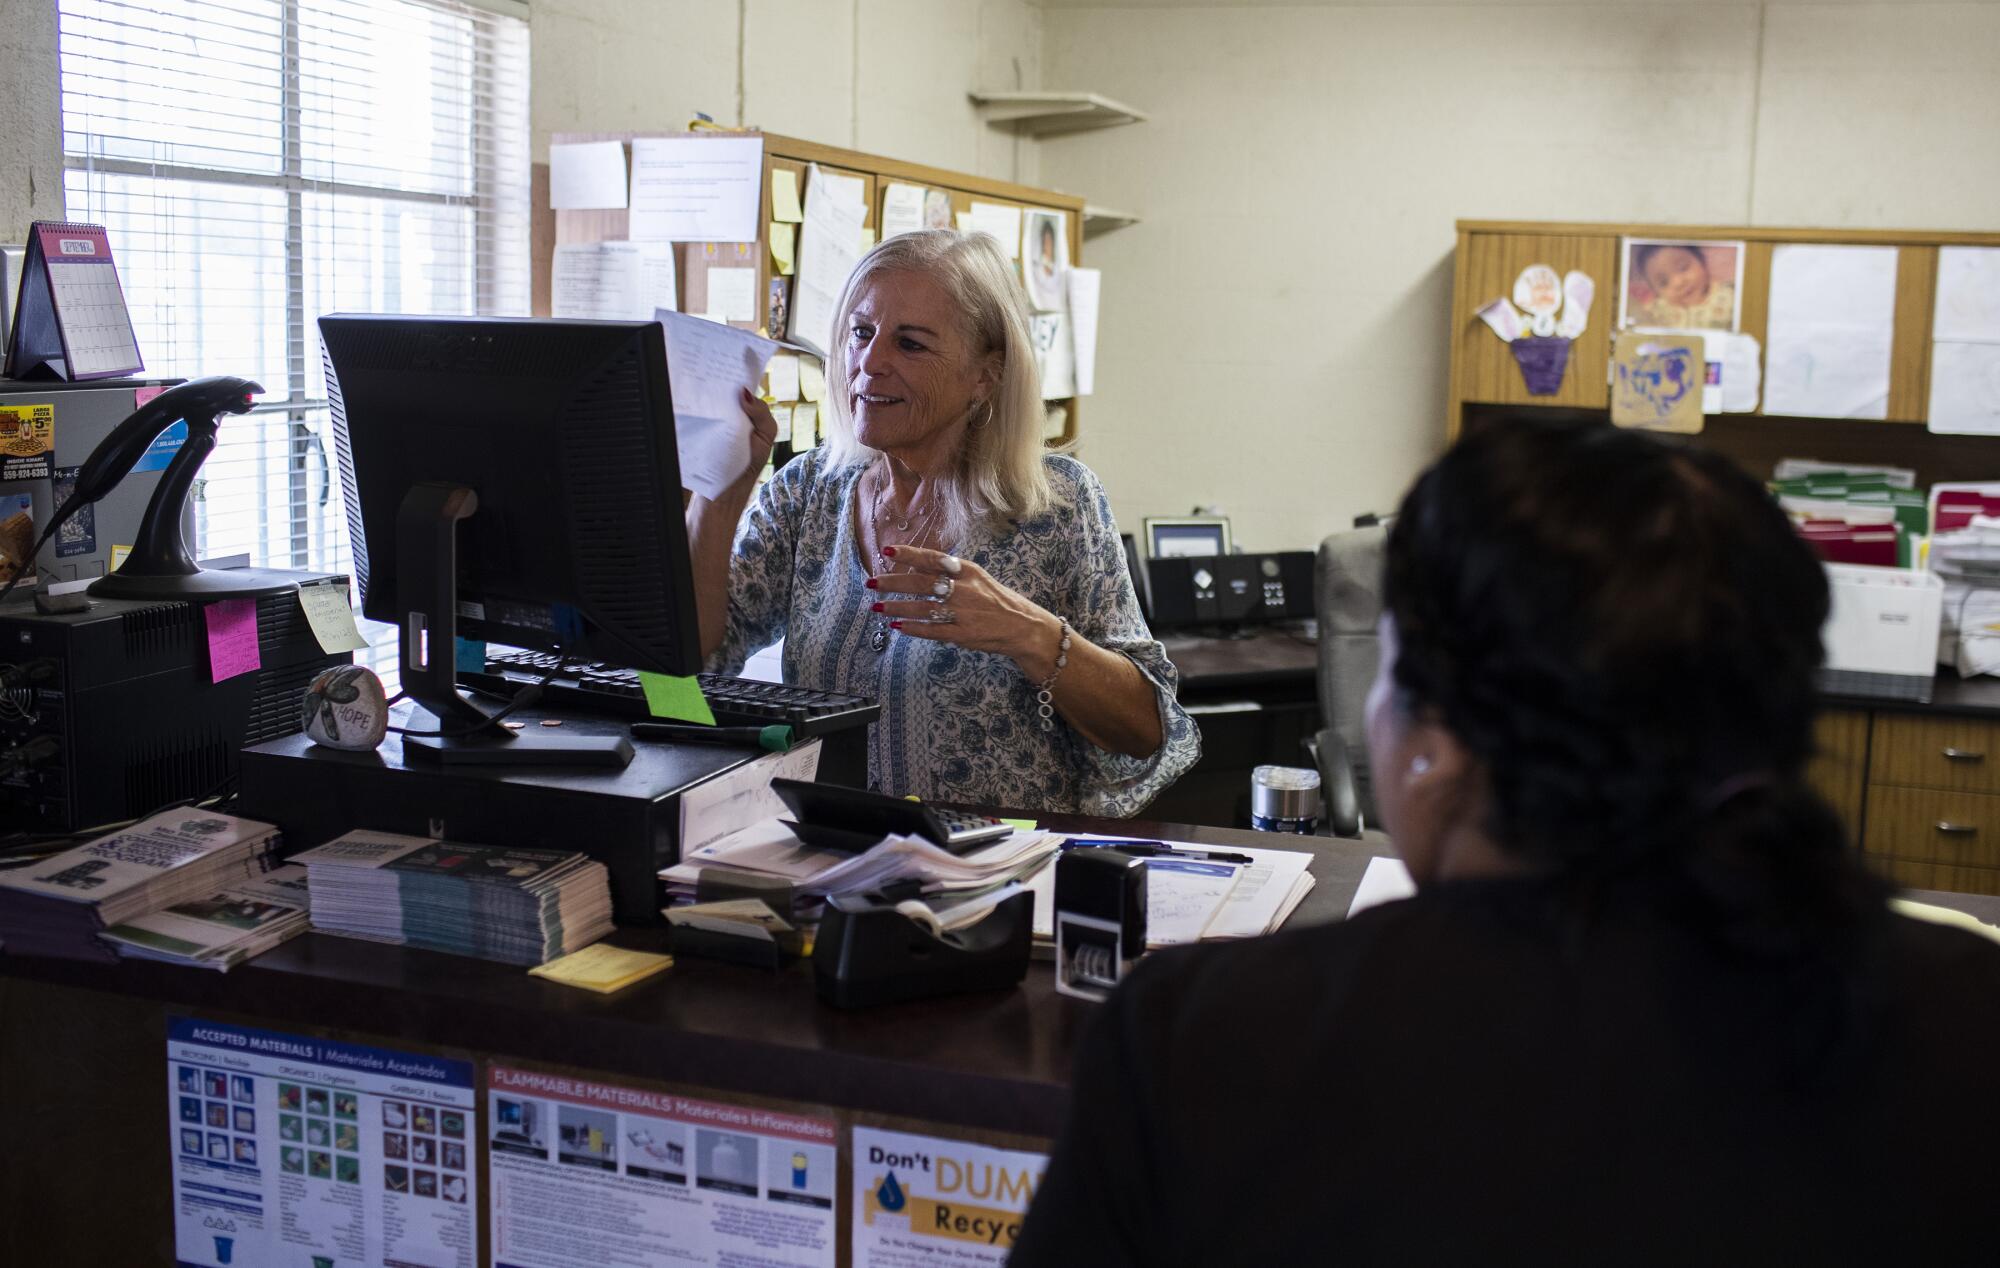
column 874, row 607
column 890, row 551
column 871, row 583
column 895, row 625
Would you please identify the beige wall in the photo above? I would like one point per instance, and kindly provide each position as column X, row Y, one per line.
column 1275, row 332
column 30, row 119
column 886, row 76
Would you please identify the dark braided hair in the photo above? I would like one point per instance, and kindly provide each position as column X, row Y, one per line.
column 1625, row 630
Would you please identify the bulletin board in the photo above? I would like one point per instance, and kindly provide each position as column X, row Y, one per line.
column 786, row 154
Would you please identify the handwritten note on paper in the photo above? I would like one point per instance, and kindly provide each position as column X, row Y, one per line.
column 708, row 366
column 812, row 379
column 232, row 639
column 785, row 196
column 331, row 619
column 696, row 189
column 805, row 425
column 587, row 177
column 783, row 376
column 902, row 209
column 612, row 281
column 1182, row 897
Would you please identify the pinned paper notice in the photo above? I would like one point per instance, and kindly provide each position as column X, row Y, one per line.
column 829, row 248
column 712, row 364
column 805, row 425
column 964, row 221
column 783, row 376
column 785, row 196
column 612, row 281
column 732, row 294
column 1085, row 286
column 696, row 189
column 1830, row 330
column 867, row 237
column 902, row 209
column 678, row 699
column 812, row 379
column 232, row 638
column 1003, row 222
column 587, row 177
column 332, row 620
column 783, row 240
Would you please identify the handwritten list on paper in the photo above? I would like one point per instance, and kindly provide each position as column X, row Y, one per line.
column 709, row 365
column 612, row 281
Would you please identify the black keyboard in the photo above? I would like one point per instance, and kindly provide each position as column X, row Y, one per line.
column 598, row 688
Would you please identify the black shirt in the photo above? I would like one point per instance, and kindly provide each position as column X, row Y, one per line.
column 1475, row 1075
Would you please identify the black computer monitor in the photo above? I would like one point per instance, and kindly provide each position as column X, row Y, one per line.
column 515, row 481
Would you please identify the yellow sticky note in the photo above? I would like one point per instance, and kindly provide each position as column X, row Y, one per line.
column 867, row 237
column 332, row 621
column 782, row 238
column 812, row 379
column 678, row 699
column 118, row 554
column 603, row 968
column 964, row 222
column 805, row 425
column 1024, row 825
column 785, row 196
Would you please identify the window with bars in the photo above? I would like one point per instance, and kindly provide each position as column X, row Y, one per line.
column 261, row 162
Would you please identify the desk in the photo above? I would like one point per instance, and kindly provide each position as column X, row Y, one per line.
column 85, row 1079
column 1256, row 701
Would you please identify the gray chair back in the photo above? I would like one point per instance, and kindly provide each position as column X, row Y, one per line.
column 1347, row 598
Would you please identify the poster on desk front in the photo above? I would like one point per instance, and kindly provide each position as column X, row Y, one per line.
column 921, row 1201
column 596, row 1173
column 293, row 1150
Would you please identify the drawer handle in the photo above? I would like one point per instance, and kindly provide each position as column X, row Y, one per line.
column 1963, row 755
column 1957, row 829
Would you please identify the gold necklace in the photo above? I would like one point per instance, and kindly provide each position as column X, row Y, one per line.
column 878, row 637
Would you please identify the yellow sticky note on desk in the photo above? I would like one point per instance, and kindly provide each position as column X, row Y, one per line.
column 603, row 968
column 678, row 699
column 785, row 196
column 782, row 238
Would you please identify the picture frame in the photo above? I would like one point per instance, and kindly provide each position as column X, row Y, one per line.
column 1183, row 536
column 1705, row 276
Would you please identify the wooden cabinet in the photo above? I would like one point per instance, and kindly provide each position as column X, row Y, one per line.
column 1931, row 816
column 1839, row 769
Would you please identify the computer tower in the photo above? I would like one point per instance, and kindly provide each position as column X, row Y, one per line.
column 110, row 713
column 1231, row 589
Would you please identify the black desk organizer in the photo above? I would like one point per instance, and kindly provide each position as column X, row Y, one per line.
column 868, row 955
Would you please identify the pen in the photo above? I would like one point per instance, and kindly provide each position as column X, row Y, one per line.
column 777, row 739
column 1157, row 850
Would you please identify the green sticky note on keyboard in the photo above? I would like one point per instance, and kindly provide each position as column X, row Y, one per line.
column 677, row 699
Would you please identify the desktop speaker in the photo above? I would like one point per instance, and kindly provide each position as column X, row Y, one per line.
column 1231, row 589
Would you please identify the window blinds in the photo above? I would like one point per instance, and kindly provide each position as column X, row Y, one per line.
column 261, row 162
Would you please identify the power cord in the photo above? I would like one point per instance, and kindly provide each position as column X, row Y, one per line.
column 521, row 700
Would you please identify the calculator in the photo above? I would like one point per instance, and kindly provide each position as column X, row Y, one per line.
column 835, row 817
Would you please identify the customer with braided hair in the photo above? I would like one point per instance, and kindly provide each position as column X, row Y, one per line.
column 1645, row 1006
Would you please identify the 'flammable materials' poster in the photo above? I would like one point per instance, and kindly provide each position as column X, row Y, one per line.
column 294, row 1150
column 921, row 1201
column 587, row 1172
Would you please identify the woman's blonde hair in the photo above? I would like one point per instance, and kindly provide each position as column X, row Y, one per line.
column 999, row 471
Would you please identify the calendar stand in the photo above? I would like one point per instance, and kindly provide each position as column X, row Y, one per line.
column 71, row 322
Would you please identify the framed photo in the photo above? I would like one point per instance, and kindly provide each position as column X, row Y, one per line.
column 1681, row 284
column 1186, row 536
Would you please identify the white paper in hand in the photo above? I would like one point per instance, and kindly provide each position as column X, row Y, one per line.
column 708, row 366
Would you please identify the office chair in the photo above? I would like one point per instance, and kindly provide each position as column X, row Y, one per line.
column 1347, row 598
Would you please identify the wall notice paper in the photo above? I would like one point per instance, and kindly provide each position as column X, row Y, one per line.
column 1003, row 222
column 295, row 1150
column 1055, row 352
column 805, row 425
column 742, row 796
column 587, row 177
column 1965, row 352
column 812, row 379
column 1385, row 881
column 1831, row 326
column 902, row 209
column 594, row 1173
column 612, row 281
column 783, row 376
column 708, row 366
column 696, row 189
column 925, row 1200
column 829, row 248
column 1742, row 369
column 732, row 294
column 1085, row 290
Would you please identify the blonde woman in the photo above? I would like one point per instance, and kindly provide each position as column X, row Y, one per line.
column 931, row 554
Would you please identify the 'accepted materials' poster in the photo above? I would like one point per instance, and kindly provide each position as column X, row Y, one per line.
column 294, row 1150
column 588, row 1172
column 920, row 1201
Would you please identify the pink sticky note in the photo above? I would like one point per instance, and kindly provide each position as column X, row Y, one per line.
column 140, row 395
column 232, row 638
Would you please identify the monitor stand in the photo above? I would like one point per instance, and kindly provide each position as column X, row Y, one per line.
column 427, row 599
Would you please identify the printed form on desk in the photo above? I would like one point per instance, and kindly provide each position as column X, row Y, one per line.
column 1189, row 904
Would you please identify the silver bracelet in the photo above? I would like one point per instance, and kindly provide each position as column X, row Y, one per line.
column 1044, row 699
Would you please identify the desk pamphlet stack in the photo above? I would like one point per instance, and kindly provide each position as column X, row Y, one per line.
column 1188, row 900
column 224, row 929
column 61, row 905
column 517, row 906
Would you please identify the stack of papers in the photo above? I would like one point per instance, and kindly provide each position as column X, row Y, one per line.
column 769, row 850
column 1967, row 561
column 517, row 906
column 1198, row 899
column 223, row 929
column 60, row 905
column 1856, row 516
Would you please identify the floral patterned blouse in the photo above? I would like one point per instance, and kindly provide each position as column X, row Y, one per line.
column 956, row 725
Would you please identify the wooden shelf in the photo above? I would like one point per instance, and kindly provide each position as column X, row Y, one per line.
column 1098, row 220
column 1053, row 113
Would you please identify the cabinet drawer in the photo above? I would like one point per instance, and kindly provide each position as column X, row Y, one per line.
column 1936, row 752
column 1905, row 874
column 1933, row 826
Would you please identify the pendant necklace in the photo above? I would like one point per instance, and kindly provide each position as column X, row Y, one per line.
column 878, row 637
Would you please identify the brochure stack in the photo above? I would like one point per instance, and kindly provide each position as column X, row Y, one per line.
column 518, row 906
column 223, row 929
column 60, row 906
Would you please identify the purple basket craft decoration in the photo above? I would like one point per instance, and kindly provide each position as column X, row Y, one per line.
column 1542, row 361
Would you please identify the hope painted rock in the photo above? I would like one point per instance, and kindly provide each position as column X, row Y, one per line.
column 346, row 708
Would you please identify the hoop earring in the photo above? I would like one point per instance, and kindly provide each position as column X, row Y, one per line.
column 984, row 418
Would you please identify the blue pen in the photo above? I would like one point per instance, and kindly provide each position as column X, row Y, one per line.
column 1155, row 849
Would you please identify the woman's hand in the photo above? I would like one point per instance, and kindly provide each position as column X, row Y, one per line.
column 952, row 600
column 763, row 435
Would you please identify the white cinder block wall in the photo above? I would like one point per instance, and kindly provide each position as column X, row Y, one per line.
column 1275, row 333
